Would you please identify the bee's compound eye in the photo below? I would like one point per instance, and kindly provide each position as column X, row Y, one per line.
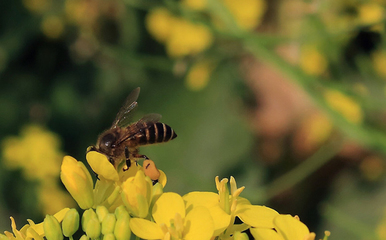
column 108, row 140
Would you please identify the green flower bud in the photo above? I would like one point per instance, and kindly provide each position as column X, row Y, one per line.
column 52, row 228
column 121, row 211
column 83, row 237
column 109, row 236
column 87, row 216
column 70, row 222
column 93, row 228
column 240, row 236
column 101, row 212
column 122, row 230
column 108, row 224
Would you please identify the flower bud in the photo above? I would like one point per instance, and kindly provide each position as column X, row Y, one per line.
column 52, row 228
column 240, row 236
column 136, row 194
column 109, row 236
column 108, row 224
column 101, row 212
column 87, row 216
column 90, row 224
column 78, row 181
column 70, row 222
column 122, row 230
column 93, row 228
column 83, row 237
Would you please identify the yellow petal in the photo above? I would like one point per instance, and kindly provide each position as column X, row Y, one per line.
column 221, row 219
column 162, row 178
column 166, row 207
column 146, row 229
column 101, row 165
column 290, row 228
column 257, row 216
column 266, row 234
column 198, row 224
column 206, row 199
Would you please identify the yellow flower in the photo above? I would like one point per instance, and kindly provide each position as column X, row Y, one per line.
column 247, row 13
column 199, row 75
column 379, row 62
column 286, row 227
column 224, row 208
column 158, row 24
column 312, row 61
column 36, row 152
column 78, row 182
column 180, row 36
column 136, row 194
column 187, row 38
column 32, row 230
column 344, row 105
column 370, row 13
column 172, row 221
column 52, row 198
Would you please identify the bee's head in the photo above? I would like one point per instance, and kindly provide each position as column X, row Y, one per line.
column 106, row 142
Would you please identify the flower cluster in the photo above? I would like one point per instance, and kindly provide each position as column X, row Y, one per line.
column 122, row 203
column 42, row 149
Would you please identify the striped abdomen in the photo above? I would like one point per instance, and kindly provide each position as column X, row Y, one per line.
column 157, row 133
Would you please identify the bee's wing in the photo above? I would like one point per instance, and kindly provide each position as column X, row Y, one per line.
column 148, row 120
column 122, row 118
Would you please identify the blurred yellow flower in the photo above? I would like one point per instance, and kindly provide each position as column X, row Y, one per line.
column 158, row 24
column 312, row 61
column 36, row 152
column 52, row 26
column 247, row 13
column 313, row 131
column 379, row 62
column 199, row 75
column 52, row 198
column 370, row 13
column 180, row 36
column 344, row 105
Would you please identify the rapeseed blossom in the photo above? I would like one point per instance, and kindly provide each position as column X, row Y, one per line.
column 36, row 152
column 122, row 203
column 344, row 105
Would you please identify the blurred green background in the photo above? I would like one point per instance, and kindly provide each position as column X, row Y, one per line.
column 286, row 96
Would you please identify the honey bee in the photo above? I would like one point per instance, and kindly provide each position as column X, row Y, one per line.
column 122, row 140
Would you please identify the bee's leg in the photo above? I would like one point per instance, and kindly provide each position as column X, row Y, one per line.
column 128, row 161
column 136, row 155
